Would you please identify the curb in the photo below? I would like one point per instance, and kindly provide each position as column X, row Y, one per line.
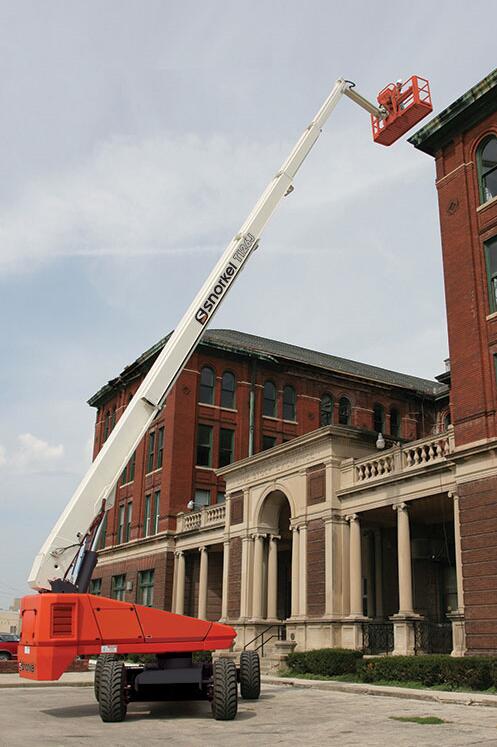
column 450, row 698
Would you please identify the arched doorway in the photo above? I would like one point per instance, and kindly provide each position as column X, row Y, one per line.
column 274, row 523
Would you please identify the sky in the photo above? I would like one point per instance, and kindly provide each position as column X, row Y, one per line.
column 136, row 136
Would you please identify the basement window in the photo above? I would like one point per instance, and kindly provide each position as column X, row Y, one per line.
column 118, row 587
column 146, row 588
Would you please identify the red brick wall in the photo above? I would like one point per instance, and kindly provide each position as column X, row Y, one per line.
column 215, row 586
column 179, row 477
column 192, row 574
column 162, row 564
column 235, row 578
column 472, row 337
column 316, row 578
column 316, row 484
column 478, row 520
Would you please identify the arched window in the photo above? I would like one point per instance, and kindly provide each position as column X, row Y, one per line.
column 487, row 168
column 326, row 410
column 228, row 390
column 206, row 394
column 394, row 422
column 269, row 404
column 289, row 400
column 344, row 411
column 379, row 418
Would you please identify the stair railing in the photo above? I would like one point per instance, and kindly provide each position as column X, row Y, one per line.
column 280, row 635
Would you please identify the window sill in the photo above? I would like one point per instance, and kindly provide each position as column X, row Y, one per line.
column 293, row 422
column 152, row 472
column 125, row 484
column 210, row 469
column 486, row 204
column 270, row 417
column 492, row 316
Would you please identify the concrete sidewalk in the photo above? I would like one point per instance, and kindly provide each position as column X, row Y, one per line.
column 70, row 679
column 85, row 679
column 434, row 696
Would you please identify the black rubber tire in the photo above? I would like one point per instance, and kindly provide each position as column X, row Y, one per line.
column 112, row 692
column 250, row 675
column 98, row 671
column 5, row 656
column 225, row 690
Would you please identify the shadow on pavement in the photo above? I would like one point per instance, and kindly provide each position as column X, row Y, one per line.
column 149, row 711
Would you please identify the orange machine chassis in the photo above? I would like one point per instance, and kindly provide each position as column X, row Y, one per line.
column 58, row 627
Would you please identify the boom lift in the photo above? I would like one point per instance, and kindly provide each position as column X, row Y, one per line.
column 64, row 621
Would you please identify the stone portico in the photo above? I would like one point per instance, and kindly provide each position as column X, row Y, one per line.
column 346, row 545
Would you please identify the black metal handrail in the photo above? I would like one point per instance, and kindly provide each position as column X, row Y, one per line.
column 431, row 637
column 377, row 637
column 280, row 635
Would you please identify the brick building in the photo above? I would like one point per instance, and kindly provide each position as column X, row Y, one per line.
column 260, row 494
column 463, row 142
column 238, row 395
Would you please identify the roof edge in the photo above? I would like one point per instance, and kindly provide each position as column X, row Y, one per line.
column 466, row 111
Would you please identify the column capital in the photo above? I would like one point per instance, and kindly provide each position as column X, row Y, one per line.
column 179, row 553
column 258, row 535
column 399, row 507
column 351, row 518
column 452, row 494
column 202, row 548
column 274, row 537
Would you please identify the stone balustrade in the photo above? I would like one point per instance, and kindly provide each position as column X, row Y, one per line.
column 205, row 518
column 398, row 459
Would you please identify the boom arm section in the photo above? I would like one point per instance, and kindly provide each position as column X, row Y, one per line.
column 63, row 556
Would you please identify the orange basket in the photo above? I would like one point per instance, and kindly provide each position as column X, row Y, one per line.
column 407, row 103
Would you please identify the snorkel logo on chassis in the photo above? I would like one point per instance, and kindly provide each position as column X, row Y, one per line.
column 23, row 667
column 224, row 280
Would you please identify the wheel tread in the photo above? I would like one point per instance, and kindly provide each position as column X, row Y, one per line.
column 225, row 690
column 250, row 675
column 112, row 697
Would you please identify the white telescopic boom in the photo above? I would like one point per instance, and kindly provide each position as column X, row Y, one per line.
column 60, row 548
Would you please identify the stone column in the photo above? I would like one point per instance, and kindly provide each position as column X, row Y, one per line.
column 295, row 571
column 226, row 566
column 258, row 568
column 180, row 583
column 246, row 580
column 175, row 582
column 352, row 636
column 404, row 560
column 272, row 578
column 378, row 573
column 303, row 570
column 457, row 616
column 202, row 584
column 355, row 566
column 405, row 620
column 329, row 567
column 457, row 547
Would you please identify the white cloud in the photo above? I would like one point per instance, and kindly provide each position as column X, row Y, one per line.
column 31, row 452
column 179, row 193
